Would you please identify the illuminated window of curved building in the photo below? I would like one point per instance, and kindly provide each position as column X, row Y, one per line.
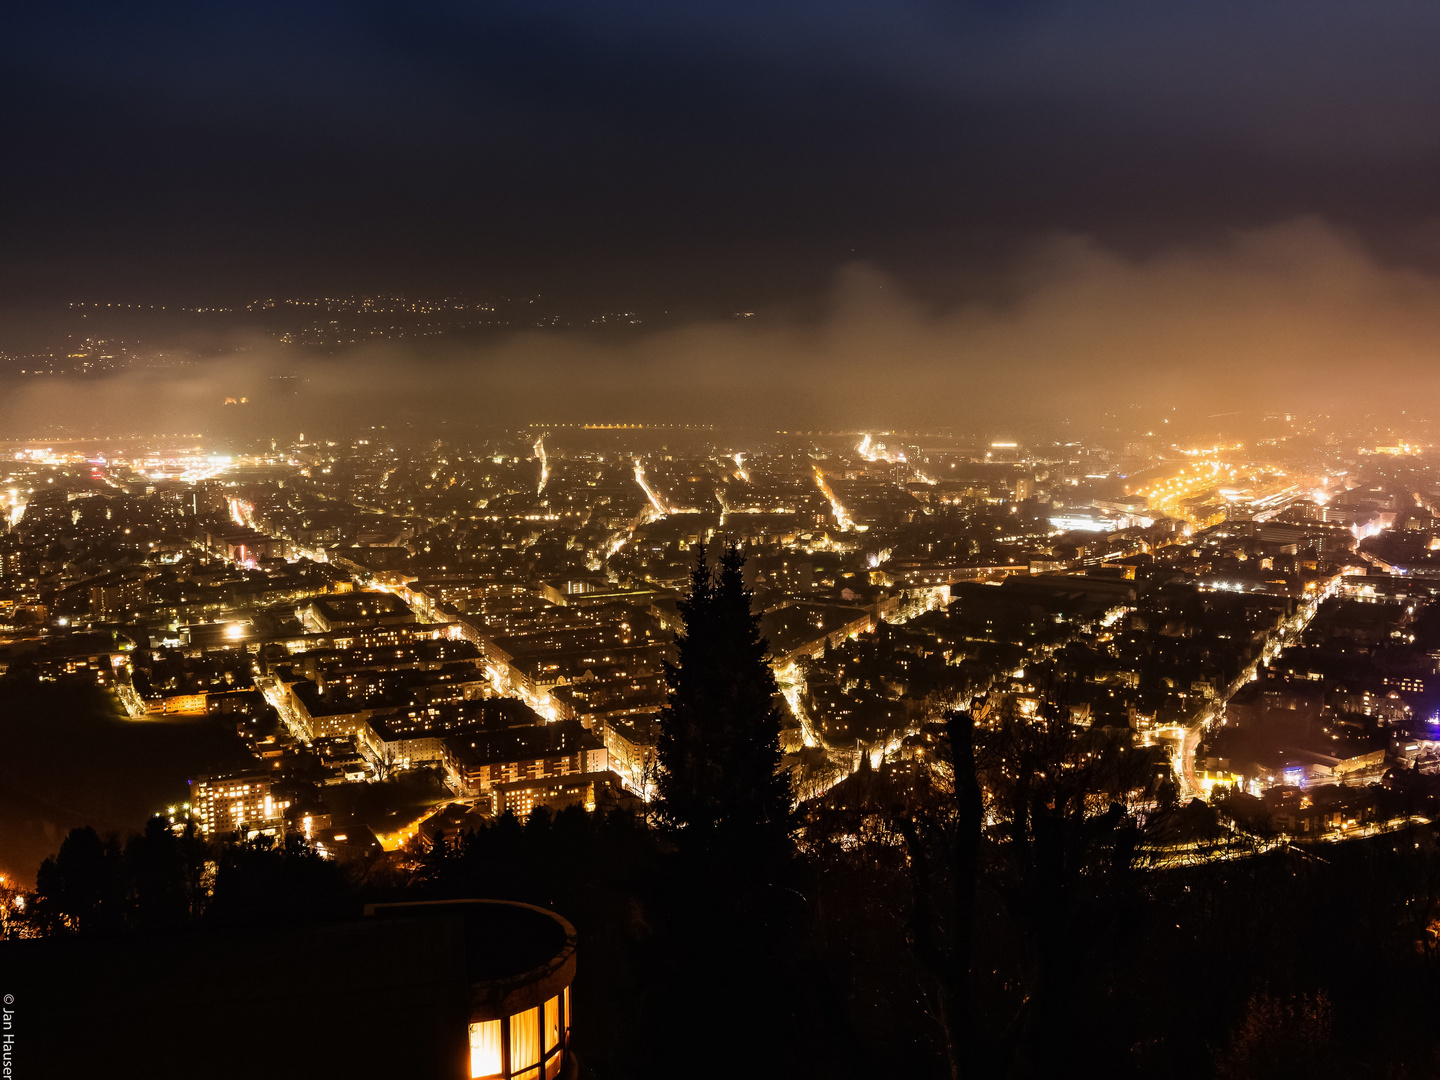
column 486, row 1056
column 525, row 1045
column 552, row 1038
column 520, row 961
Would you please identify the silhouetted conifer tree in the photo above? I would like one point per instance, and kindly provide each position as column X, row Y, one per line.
column 725, row 904
column 719, row 744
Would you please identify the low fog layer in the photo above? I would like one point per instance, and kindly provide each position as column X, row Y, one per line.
column 1294, row 316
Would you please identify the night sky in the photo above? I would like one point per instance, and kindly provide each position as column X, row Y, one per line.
column 938, row 213
column 690, row 156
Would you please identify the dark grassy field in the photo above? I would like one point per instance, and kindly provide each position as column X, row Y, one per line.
column 70, row 757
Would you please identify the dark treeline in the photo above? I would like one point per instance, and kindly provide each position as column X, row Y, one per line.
column 1009, row 914
column 162, row 880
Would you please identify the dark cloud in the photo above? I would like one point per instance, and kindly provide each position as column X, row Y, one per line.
column 708, row 155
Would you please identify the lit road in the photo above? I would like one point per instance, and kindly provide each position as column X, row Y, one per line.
column 125, row 691
column 243, row 514
column 792, row 686
column 13, row 506
column 657, row 501
column 1375, row 828
column 393, row 841
column 1173, row 856
column 623, row 536
column 276, row 695
column 541, row 703
column 870, row 452
column 1286, row 633
column 842, row 516
column 544, row 464
column 1189, row 784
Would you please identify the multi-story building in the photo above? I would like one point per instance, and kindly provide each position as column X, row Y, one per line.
column 630, row 746
column 238, row 802
column 484, row 759
column 555, row 793
column 116, row 600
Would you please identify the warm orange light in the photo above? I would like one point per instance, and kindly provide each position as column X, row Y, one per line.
column 485, row 1051
column 524, row 1040
column 552, row 1024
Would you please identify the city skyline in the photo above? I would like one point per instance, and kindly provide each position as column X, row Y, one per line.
column 559, row 541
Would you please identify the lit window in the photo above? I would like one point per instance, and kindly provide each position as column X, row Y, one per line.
column 485, row 1049
column 525, row 1044
column 555, row 1008
column 552, row 1024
